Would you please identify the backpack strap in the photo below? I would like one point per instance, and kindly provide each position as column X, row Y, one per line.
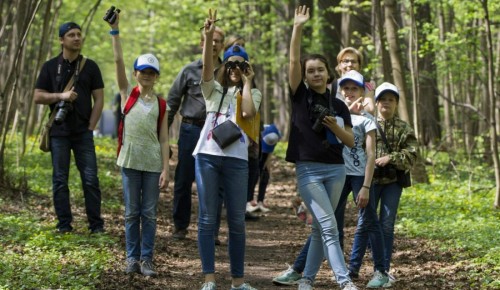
column 131, row 100
column 162, row 106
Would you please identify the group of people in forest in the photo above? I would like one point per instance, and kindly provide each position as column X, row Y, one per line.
column 341, row 140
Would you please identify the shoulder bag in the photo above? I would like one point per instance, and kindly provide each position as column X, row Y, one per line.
column 227, row 132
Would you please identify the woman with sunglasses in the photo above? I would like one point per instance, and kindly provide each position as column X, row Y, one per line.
column 227, row 167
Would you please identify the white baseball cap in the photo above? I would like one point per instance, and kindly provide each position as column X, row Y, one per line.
column 386, row 87
column 354, row 76
column 147, row 60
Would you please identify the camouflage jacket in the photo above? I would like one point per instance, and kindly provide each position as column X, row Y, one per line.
column 403, row 151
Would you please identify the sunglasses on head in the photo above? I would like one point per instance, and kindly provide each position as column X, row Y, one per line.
column 233, row 64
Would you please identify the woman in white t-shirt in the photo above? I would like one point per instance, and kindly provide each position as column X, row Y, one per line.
column 227, row 167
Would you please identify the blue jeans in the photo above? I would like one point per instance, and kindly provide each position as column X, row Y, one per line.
column 264, row 176
column 351, row 183
column 253, row 176
column 319, row 185
column 140, row 193
column 368, row 228
column 85, row 158
column 300, row 262
column 184, row 175
column 388, row 195
column 212, row 172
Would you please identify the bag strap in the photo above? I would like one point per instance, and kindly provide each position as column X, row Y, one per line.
column 224, row 92
column 67, row 88
column 382, row 135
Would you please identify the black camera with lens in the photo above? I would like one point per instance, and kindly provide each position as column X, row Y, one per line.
column 318, row 113
column 62, row 108
column 388, row 171
column 243, row 65
column 111, row 15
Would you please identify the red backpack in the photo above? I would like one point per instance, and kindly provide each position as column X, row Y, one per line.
column 132, row 99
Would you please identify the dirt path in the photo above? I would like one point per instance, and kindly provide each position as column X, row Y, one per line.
column 273, row 241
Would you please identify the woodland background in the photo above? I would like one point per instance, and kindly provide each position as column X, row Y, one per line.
column 442, row 54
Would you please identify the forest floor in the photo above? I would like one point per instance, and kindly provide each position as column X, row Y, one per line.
column 272, row 242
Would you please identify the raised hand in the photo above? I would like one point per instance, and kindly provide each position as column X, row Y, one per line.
column 301, row 15
column 248, row 74
column 209, row 22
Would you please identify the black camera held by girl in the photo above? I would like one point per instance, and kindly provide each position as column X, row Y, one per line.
column 318, row 113
column 111, row 15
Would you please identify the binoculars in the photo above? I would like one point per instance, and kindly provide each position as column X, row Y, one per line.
column 111, row 14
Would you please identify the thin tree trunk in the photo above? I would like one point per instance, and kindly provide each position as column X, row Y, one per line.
column 395, row 54
column 491, row 96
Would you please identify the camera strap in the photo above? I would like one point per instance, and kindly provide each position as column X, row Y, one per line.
column 224, row 92
column 382, row 135
column 79, row 66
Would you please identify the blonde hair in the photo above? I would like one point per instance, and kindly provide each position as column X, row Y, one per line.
column 341, row 54
column 232, row 39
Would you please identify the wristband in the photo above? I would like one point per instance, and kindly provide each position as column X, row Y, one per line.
column 367, row 187
column 114, row 32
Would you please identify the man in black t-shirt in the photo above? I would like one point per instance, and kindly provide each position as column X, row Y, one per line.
column 82, row 106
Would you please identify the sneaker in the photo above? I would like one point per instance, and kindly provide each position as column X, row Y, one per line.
column 209, row 286
column 305, row 284
column 147, row 269
column 251, row 208
column 244, row 286
column 353, row 274
column 348, row 286
column 392, row 279
column 250, row 217
column 287, row 277
column 64, row 230
column 97, row 231
column 262, row 207
column 180, row 234
column 379, row 280
column 133, row 266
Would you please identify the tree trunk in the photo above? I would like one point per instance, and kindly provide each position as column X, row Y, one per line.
column 395, row 55
column 491, row 97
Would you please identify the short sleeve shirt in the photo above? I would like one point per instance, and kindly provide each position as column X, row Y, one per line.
column 355, row 157
column 77, row 120
column 212, row 92
column 304, row 143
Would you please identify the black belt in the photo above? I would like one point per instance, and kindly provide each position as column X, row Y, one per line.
column 196, row 122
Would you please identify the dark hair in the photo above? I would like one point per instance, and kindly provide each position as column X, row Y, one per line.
column 319, row 57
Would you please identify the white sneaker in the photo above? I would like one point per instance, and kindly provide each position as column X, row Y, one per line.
column 251, row 208
column 305, row 284
column 261, row 207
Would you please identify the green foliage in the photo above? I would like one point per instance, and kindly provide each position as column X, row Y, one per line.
column 455, row 211
column 35, row 257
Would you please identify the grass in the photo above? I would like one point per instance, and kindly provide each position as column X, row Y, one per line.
column 454, row 212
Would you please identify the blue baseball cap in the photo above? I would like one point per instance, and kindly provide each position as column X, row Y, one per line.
column 65, row 27
column 270, row 137
column 354, row 76
column 235, row 50
column 145, row 61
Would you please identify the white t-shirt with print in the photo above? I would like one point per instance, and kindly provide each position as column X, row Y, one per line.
column 212, row 92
